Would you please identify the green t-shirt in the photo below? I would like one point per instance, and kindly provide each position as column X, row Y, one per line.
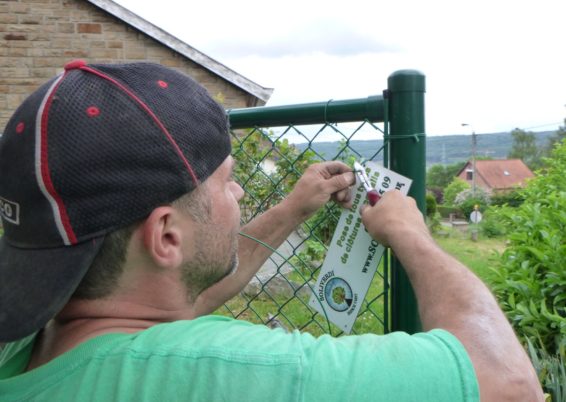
column 215, row 358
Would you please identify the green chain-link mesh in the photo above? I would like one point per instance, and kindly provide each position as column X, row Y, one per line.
column 268, row 166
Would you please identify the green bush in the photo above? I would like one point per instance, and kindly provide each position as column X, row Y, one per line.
column 513, row 198
column 437, row 193
column 467, row 200
column 491, row 225
column 550, row 369
column 530, row 280
column 433, row 222
column 453, row 189
column 430, row 204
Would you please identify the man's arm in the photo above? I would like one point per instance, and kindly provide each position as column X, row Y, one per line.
column 319, row 184
column 453, row 298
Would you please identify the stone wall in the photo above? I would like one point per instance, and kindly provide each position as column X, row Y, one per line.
column 39, row 36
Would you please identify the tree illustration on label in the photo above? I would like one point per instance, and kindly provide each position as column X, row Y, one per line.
column 338, row 294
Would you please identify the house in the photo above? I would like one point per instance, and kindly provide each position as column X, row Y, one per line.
column 496, row 175
column 39, row 37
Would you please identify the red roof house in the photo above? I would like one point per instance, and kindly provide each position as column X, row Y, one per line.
column 497, row 175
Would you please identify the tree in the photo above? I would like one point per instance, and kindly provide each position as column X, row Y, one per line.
column 440, row 176
column 557, row 137
column 525, row 148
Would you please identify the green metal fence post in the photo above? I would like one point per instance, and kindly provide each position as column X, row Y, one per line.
column 407, row 149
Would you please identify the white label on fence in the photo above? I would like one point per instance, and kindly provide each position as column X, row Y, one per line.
column 353, row 256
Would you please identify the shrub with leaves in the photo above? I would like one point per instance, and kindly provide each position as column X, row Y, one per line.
column 430, row 204
column 437, row 193
column 530, row 281
column 467, row 200
column 551, row 370
column 434, row 222
column 453, row 189
column 492, row 225
column 512, row 198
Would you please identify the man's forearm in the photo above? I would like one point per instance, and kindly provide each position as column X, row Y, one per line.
column 319, row 184
column 453, row 298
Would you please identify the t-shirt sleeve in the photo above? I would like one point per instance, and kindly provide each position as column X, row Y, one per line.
column 431, row 366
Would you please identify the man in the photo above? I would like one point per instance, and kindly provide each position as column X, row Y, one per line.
column 121, row 235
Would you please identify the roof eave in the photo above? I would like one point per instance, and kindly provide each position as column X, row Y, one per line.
column 181, row 47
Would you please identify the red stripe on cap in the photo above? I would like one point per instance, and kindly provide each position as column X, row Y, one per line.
column 45, row 172
column 153, row 116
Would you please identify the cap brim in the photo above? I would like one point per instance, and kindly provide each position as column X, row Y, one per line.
column 37, row 283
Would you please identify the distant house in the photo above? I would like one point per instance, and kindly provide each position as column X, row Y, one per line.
column 496, row 175
column 39, row 36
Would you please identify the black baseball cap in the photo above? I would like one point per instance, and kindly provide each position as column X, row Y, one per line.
column 95, row 149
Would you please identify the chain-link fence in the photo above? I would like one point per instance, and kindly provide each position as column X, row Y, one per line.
column 273, row 146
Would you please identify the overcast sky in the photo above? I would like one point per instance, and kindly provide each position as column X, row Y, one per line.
column 495, row 64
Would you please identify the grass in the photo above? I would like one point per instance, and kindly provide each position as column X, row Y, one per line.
column 479, row 255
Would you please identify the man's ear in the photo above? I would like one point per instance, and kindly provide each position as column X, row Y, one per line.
column 163, row 237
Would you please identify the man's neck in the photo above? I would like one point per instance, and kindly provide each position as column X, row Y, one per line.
column 146, row 295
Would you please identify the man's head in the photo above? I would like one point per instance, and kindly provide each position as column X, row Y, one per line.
column 96, row 149
column 196, row 234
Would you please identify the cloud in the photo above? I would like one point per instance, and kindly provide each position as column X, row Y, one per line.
column 328, row 36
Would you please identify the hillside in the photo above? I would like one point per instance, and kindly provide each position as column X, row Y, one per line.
column 446, row 149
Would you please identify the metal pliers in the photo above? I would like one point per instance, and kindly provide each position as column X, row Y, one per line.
column 372, row 194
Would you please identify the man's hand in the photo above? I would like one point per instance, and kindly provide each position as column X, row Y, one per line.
column 393, row 218
column 320, row 183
